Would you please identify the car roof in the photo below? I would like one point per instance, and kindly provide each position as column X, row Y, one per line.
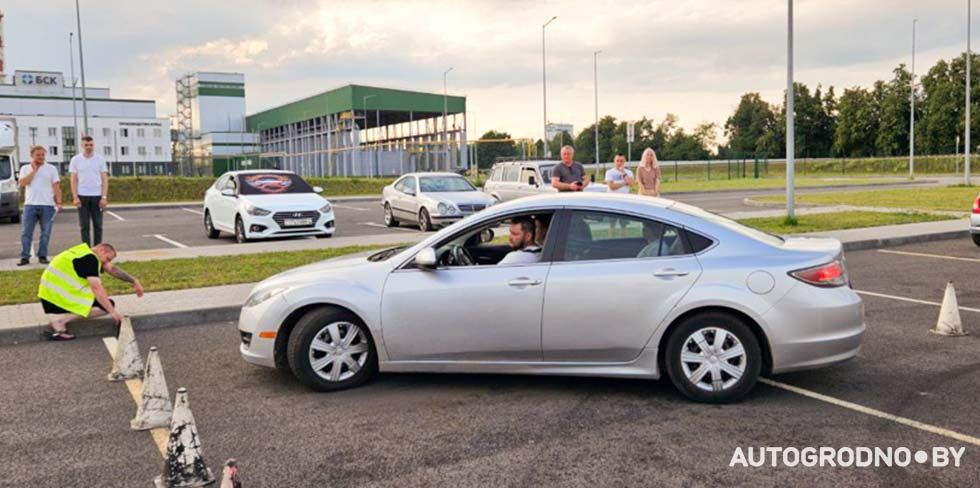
column 537, row 162
column 433, row 173
column 586, row 199
column 261, row 171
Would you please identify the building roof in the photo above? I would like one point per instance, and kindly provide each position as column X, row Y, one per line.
column 384, row 106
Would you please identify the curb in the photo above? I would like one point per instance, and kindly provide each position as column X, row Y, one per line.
column 897, row 241
column 102, row 327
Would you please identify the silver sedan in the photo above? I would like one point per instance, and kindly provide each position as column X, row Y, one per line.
column 431, row 200
column 625, row 286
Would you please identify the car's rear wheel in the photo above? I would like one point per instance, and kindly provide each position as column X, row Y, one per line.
column 331, row 349
column 425, row 223
column 713, row 357
column 390, row 220
column 976, row 239
column 240, row 235
column 209, row 226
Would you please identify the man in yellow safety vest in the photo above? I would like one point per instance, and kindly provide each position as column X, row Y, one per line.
column 71, row 287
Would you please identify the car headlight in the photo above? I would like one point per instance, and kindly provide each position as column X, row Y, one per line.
column 326, row 208
column 447, row 209
column 263, row 295
column 256, row 211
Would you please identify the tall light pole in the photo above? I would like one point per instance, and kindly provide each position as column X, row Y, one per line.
column 912, row 109
column 544, row 89
column 74, row 109
column 81, row 66
column 966, row 137
column 445, row 110
column 790, row 136
column 595, row 76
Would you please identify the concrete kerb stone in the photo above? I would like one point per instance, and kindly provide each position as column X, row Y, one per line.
column 865, row 244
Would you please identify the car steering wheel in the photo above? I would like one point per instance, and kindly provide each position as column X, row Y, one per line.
column 461, row 256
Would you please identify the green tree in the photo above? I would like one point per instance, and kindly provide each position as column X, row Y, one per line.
column 556, row 143
column 857, row 124
column 752, row 119
column 490, row 152
column 893, row 115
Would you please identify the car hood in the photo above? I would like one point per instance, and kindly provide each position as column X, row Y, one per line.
column 461, row 197
column 287, row 201
column 318, row 271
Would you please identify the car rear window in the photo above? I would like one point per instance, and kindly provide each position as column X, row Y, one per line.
column 272, row 183
column 729, row 224
column 698, row 242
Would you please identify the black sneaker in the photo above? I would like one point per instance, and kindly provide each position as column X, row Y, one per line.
column 23, row 262
column 42, row 260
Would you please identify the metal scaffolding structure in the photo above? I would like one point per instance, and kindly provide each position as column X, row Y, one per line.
column 184, row 146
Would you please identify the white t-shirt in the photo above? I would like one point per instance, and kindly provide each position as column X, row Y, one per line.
column 39, row 191
column 528, row 255
column 89, row 172
column 615, row 175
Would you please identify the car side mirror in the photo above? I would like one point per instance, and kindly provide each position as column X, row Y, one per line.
column 532, row 181
column 426, row 258
column 486, row 236
column 317, row 189
column 228, row 192
column 410, row 192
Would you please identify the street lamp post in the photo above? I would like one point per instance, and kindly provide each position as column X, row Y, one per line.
column 595, row 81
column 790, row 136
column 364, row 108
column 74, row 109
column 544, row 90
column 81, row 66
column 966, row 129
column 445, row 110
column 912, row 109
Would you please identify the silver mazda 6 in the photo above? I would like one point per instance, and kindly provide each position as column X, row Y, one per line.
column 610, row 285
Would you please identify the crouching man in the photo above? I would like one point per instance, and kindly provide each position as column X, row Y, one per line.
column 71, row 287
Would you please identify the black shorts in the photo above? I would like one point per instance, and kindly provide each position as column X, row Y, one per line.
column 54, row 309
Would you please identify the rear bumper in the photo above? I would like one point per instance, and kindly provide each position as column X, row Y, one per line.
column 813, row 327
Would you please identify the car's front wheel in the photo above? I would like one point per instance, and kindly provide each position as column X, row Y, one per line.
column 425, row 222
column 713, row 357
column 390, row 220
column 209, row 226
column 240, row 235
column 331, row 349
column 976, row 239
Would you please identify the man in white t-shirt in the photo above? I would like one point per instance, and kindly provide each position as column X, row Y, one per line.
column 620, row 178
column 89, row 189
column 521, row 238
column 42, row 202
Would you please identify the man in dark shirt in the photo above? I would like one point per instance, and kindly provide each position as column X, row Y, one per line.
column 570, row 174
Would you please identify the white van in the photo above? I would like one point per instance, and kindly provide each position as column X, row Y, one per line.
column 9, row 193
column 516, row 179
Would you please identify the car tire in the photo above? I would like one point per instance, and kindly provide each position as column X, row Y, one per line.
column 699, row 385
column 390, row 220
column 240, row 235
column 976, row 238
column 209, row 229
column 425, row 222
column 329, row 326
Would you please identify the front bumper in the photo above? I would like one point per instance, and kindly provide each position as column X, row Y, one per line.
column 266, row 227
column 9, row 204
column 252, row 322
column 812, row 327
column 974, row 223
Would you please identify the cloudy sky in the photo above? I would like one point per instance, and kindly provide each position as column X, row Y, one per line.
column 693, row 58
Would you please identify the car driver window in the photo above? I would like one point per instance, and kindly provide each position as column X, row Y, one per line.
column 512, row 241
column 511, row 173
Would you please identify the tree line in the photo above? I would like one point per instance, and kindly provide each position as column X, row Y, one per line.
column 860, row 122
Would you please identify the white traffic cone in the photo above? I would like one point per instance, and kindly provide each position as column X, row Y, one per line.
column 127, row 363
column 184, row 465
column 155, row 408
column 229, row 475
column 949, row 323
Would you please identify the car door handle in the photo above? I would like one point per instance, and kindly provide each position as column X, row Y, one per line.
column 669, row 272
column 523, row 282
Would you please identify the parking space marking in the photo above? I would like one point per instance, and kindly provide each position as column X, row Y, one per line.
column 915, row 424
column 382, row 226
column 347, row 207
column 192, row 211
column 135, row 387
column 168, row 241
column 115, row 215
column 911, row 300
column 927, row 255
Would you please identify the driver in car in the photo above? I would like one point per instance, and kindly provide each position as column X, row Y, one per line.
column 525, row 250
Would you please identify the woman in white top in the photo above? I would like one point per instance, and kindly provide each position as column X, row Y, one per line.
column 648, row 174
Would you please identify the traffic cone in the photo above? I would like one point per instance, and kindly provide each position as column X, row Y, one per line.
column 155, row 408
column 229, row 475
column 127, row 363
column 949, row 323
column 184, row 465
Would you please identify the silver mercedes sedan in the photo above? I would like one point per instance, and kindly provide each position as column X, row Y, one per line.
column 616, row 285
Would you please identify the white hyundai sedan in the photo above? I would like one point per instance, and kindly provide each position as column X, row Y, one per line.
column 260, row 204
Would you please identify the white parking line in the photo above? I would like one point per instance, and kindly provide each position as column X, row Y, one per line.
column 926, row 255
column 192, row 211
column 915, row 424
column 135, row 387
column 911, row 300
column 168, row 241
column 347, row 207
column 115, row 215
column 382, row 226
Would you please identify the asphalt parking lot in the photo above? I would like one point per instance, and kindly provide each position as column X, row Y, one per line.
column 66, row 426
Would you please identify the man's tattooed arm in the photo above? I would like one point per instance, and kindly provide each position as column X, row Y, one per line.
column 117, row 272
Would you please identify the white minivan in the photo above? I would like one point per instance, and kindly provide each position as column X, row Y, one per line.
column 515, row 179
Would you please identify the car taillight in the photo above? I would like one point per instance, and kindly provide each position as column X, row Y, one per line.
column 976, row 206
column 827, row 275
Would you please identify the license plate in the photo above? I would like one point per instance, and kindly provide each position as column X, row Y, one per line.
column 297, row 222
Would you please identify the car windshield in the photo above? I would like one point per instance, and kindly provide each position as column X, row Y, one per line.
column 730, row 224
column 5, row 170
column 436, row 184
column 386, row 254
column 546, row 171
column 272, row 183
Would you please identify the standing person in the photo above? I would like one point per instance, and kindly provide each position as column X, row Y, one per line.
column 648, row 174
column 570, row 174
column 41, row 204
column 620, row 178
column 71, row 287
column 89, row 189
